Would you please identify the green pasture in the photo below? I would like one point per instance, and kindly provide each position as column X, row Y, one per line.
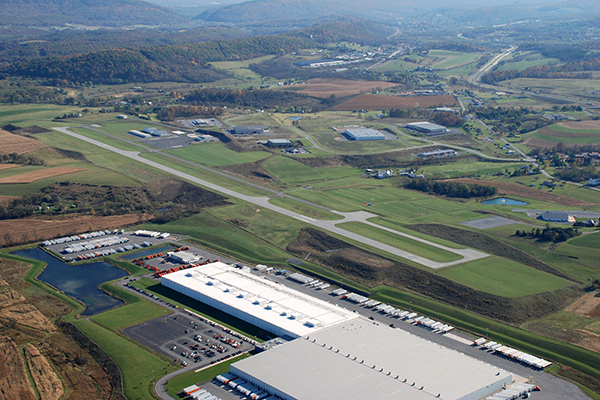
column 176, row 384
column 468, row 167
column 119, row 127
column 562, row 321
column 255, row 119
column 460, row 72
column 450, row 59
column 304, row 209
column 30, row 114
column 286, row 169
column 401, row 228
column 325, row 199
column 589, row 241
column 589, row 138
column 230, row 65
column 561, row 85
column 531, row 60
column 215, row 154
column 395, row 66
column 412, row 246
column 503, row 277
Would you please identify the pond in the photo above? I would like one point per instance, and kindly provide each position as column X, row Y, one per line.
column 144, row 253
column 78, row 281
column 504, row 201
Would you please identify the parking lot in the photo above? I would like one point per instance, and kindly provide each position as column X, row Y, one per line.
column 191, row 341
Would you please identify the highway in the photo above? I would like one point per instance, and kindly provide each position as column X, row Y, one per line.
column 328, row 225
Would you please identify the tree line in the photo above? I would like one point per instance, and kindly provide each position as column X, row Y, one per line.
column 550, row 234
column 451, row 188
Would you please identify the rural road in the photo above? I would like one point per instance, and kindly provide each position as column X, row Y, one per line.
column 328, row 225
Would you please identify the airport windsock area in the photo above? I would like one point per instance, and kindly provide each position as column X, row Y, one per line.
column 333, row 353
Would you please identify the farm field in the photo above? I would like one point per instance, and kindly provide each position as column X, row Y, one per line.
column 526, row 61
column 31, row 114
column 395, row 66
column 322, row 87
column 558, row 85
column 382, row 102
column 12, row 143
column 503, row 277
column 579, row 132
column 215, row 154
column 410, row 245
column 443, row 59
column 33, row 176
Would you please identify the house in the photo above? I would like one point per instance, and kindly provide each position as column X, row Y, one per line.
column 388, row 173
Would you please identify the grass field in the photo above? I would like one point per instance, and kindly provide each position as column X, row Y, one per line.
column 137, row 380
column 304, row 209
column 215, row 154
column 395, row 66
column 503, row 277
column 591, row 241
column 532, row 60
column 557, row 133
column 401, row 242
column 560, row 85
column 135, row 312
column 289, row 170
column 119, row 144
column 30, row 114
column 240, row 68
column 207, row 175
column 444, row 59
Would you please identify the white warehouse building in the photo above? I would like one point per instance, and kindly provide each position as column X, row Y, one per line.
column 361, row 359
column 261, row 302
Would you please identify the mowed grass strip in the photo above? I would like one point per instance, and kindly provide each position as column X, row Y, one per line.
column 215, row 154
column 401, row 242
column 304, row 209
column 502, row 277
column 137, row 311
column 138, row 367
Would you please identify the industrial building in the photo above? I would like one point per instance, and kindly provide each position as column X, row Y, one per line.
column 427, row 127
column 557, row 216
column 361, row 359
column 139, row 134
column 249, row 130
column 263, row 303
column 278, row 143
column 363, row 134
column 155, row 132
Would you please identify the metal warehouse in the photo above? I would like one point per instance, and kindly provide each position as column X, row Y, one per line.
column 261, row 302
column 360, row 359
column 249, row 130
column 183, row 257
column 427, row 127
column 363, row 134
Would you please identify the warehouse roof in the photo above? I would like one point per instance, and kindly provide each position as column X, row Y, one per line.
column 364, row 133
column 361, row 359
column 293, row 311
column 426, row 126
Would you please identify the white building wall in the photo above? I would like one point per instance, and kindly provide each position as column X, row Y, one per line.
column 489, row 389
column 264, row 386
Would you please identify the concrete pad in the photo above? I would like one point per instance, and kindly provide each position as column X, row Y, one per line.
column 488, row 223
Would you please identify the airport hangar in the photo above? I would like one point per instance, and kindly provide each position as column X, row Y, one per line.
column 333, row 353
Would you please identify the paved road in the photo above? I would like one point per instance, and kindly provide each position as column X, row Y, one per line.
column 476, row 77
column 360, row 216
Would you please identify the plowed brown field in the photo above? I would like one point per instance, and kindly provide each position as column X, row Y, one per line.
column 591, row 124
column 8, row 166
column 33, row 176
column 513, row 189
column 322, row 87
column 380, row 102
column 18, row 144
column 18, row 231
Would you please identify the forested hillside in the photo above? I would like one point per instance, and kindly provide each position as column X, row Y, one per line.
column 88, row 12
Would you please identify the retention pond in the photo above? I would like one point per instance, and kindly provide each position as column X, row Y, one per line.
column 78, row 281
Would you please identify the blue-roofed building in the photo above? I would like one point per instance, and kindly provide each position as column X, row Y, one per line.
column 363, row 134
